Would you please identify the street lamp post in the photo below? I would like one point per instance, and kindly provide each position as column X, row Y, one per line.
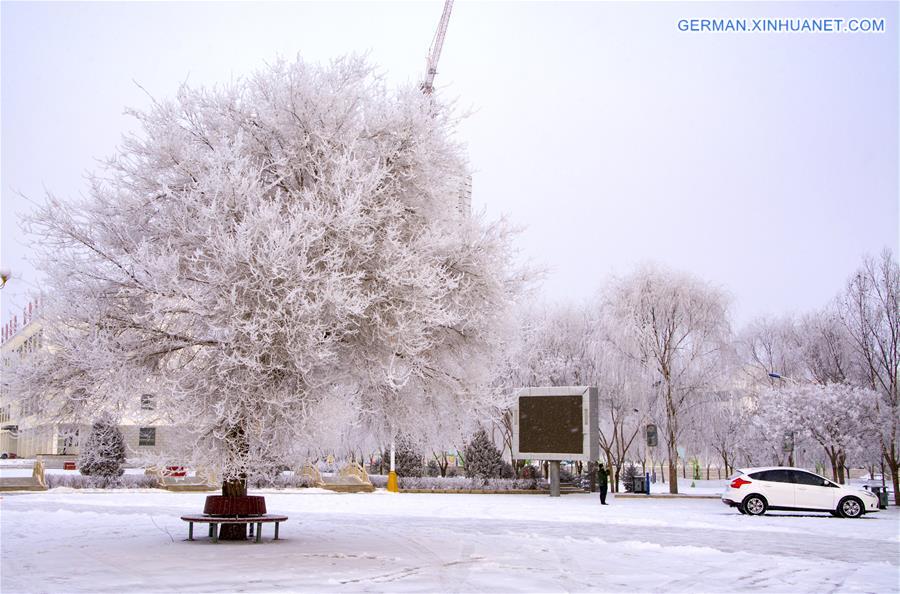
column 393, row 485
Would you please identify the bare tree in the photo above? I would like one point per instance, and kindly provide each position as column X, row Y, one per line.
column 825, row 347
column 676, row 326
column 870, row 311
column 624, row 390
column 769, row 346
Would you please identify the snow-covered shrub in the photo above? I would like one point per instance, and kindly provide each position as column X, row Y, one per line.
column 80, row 481
column 282, row 481
column 466, row 484
column 507, row 471
column 104, row 451
column 483, row 458
column 565, row 476
column 452, row 471
column 531, row 483
column 460, row 483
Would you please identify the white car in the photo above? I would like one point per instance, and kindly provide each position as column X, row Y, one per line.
column 755, row 490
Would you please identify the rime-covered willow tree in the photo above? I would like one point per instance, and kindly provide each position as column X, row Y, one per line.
column 272, row 258
column 676, row 327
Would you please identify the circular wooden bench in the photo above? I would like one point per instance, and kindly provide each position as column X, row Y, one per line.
column 214, row 522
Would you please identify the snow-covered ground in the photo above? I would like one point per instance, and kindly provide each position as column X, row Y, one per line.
column 116, row 541
column 709, row 488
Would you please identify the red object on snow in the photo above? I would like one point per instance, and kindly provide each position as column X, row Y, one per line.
column 68, row 466
column 175, row 471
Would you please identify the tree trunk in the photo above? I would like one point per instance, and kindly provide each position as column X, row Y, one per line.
column 673, row 465
column 671, row 434
column 233, row 488
column 442, row 462
column 841, row 457
column 832, row 457
column 895, row 467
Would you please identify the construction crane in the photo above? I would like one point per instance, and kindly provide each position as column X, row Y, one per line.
column 434, row 53
column 427, row 86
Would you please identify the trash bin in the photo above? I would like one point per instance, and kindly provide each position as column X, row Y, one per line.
column 881, row 492
column 638, row 485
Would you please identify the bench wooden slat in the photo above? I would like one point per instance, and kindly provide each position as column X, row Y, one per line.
column 244, row 520
column 215, row 521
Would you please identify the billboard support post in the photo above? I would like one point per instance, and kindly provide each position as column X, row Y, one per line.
column 554, row 478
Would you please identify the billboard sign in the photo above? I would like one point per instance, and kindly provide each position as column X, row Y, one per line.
column 556, row 423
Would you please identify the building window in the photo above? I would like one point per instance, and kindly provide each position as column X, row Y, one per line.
column 147, row 436
column 148, row 402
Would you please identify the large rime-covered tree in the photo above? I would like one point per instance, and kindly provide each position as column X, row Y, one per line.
column 103, row 453
column 278, row 255
column 676, row 327
column 838, row 417
column 870, row 311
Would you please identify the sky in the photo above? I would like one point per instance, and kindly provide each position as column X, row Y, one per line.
column 765, row 163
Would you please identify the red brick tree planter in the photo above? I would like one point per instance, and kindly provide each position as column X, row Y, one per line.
column 247, row 505
column 236, row 506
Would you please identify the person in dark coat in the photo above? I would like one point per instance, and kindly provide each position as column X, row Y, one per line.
column 602, row 483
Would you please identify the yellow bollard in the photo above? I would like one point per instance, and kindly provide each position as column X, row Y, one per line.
column 393, row 485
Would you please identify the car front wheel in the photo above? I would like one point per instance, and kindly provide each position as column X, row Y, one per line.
column 754, row 505
column 851, row 507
